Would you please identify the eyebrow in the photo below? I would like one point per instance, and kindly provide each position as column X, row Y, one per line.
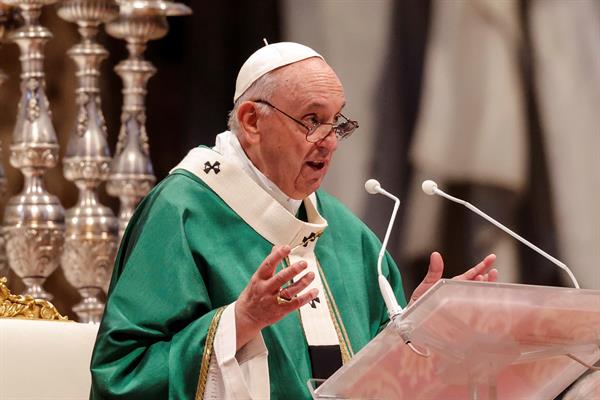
column 320, row 104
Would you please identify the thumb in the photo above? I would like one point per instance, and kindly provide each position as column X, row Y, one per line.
column 434, row 273
column 436, row 268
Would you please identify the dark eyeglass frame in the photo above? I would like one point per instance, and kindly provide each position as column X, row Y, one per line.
column 340, row 132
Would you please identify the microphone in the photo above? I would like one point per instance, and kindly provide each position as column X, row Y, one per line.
column 431, row 188
column 372, row 186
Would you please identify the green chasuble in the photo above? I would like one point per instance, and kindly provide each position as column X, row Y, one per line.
column 184, row 257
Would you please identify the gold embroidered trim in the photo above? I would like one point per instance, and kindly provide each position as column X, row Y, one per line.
column 208, row 349
column 26, row 307
column 340, row 329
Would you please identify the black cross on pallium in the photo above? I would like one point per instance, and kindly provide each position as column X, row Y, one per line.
column 311, row 238
column 314, row 301
column 216, row 166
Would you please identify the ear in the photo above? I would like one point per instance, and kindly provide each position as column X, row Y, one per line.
column 247, row 115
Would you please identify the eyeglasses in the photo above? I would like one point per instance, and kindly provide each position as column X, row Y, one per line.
column 342, row 126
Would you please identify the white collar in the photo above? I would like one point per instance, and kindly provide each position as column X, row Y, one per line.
column 229, row 146
column 252, row 203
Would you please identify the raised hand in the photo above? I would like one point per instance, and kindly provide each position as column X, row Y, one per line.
column 481, row 272
column 267, row 298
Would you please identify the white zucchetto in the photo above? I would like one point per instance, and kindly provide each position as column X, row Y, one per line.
column 269, row 58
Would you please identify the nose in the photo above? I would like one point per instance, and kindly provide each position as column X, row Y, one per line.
column 330, row 142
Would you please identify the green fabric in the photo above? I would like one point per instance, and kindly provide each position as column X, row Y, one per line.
column 185, row 254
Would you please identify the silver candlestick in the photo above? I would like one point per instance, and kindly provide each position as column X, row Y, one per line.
column 3, row 260
column 34, row 219
column 132, row 175
column 4, row 13
column 91, row 228
column 4, row 17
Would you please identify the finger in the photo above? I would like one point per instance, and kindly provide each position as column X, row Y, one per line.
column 436, row 268
column 493, row 275
column 284, row 276
column 480, row 269
column 270, row 263
column 299, row 301
column 434, row 273
column 292, row 290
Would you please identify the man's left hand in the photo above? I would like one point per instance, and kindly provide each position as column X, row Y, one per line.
column 481, row 272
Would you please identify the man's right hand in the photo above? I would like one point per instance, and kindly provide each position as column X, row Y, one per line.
column 258, row 305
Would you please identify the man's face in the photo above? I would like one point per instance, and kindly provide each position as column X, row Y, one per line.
column 309, row 91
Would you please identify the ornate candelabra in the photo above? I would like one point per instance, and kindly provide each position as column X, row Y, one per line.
column 4, row 13
column 4, row 17
column 34, row 219
column 91, row 228
column 132, row 175
column 3, row 259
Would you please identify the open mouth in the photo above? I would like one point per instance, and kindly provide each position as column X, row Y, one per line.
column 316, row 165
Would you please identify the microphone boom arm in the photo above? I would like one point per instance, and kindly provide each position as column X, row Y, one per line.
column 394, row 309
column 526, row 242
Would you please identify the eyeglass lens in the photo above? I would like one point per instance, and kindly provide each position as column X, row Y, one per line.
column 342, row 130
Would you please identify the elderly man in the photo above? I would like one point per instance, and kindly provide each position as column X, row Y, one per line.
column 237, row 278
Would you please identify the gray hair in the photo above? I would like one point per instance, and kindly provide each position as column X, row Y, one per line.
column 263, row 89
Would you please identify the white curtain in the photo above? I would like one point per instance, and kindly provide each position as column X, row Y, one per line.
column 471, row 127
column 566, row 38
